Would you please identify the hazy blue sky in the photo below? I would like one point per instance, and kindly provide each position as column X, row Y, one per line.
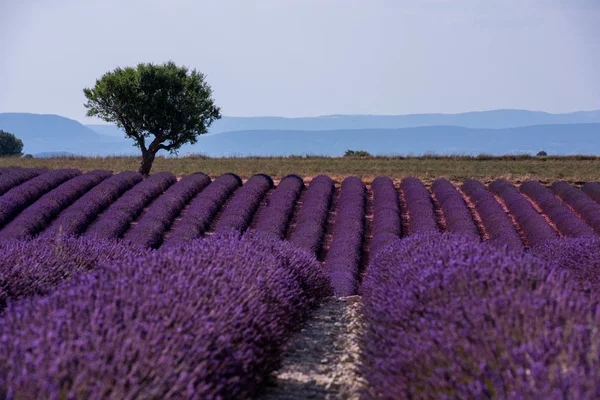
column 312, row 57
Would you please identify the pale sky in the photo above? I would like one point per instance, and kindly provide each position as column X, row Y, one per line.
column 311, row 57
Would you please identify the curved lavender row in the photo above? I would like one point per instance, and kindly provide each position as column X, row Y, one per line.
column 343, row 258
column 18, row 198
column 16, row 176
column 202, row 209
column 36, row 217
column 149, row 230
column 312, row 218
column 592, row 189
column 162, row 326
column 37, row 266
column 277, row 214
column 456, row 213
column 387, row 225
column 565, row 220
column 450, row 317
column 587, row 209
column 421, row 217
column 76, row 218
column 497, row 223
column 580, row 256
column 244, row 203
column 117, row 218
column 534, row 226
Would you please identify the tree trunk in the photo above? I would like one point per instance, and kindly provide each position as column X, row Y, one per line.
column 147, row 160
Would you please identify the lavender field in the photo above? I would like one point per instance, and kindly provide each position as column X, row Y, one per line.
column 115, row 286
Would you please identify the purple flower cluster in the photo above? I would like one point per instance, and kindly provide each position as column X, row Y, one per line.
column 496, row 222
column 456, row 213
column 149, row 229
column 202, row 210
column 312, row 218
column 587, row 209
column 592, row 189
column 205, row 320
column 343, row 257
column 238, row 213
column 116, row 219
column 565, row 220
column 449, row 317
column 18, row 198
column 387, row 225
column 12, row 177
column 421, row 217
column 277, row 214
column 580, row 256
column 37, row 216
column 37, row 266
column 534, row 226
column 79, row 215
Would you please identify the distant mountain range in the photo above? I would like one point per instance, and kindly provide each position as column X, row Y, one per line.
column 492, row 132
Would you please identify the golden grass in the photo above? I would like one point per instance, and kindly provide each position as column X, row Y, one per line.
column 574, row 169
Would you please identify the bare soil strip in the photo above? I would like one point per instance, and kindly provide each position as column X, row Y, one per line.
column 476, row 217
column 539, row 210
column 330, row 227
column 213, row 225
column 439, row 213
column 404, row 217
column 515, row 223
column 321, row 359
column 261, row 208
column 368, row 230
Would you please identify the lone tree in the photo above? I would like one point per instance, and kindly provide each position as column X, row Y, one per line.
column 10, row 145
column 167, row 104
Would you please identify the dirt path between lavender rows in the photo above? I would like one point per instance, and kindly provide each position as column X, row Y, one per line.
column 320, row 361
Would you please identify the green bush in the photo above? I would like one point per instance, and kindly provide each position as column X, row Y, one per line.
column 357, row 153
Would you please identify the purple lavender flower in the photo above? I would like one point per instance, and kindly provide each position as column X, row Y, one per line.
column 79, row 215
column 496, row 222
column 149, row 229
column 113, row 223
column 37, row 216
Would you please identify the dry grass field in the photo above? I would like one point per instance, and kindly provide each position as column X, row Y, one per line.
column 574, row 169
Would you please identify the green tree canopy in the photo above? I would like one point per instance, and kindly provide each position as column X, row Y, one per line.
column 10, row 145
column 161, row 107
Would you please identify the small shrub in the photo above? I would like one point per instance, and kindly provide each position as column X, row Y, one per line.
column 357, row 153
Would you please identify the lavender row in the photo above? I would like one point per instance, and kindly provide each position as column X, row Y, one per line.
column 149, row 230
column 18, row 198
column 592, row 189
column 534, row 226
column 162, row 326
column 116, row 219
column 456, row 212
column 567, row 223
column 579, row 256
column 496, row 222
column 37, row 216
column 202, row 209
column 312, row 218
column 37, row 266
column 343, row 257
column 449, row 317
column 421, row 217
column 79, row 215
column 238, row 213
column 15, row 176
column 587, row 209
column 276, row 216
column 387, row 225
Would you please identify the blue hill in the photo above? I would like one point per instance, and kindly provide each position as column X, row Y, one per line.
column 53, row 133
